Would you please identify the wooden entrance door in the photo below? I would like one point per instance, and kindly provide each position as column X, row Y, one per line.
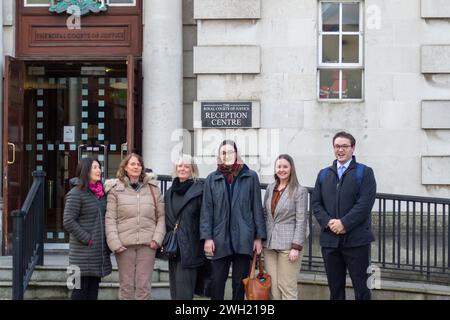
column 134, row 103
column 14, row 177
column 103, row 109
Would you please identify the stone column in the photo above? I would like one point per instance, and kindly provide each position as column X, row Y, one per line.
column 163, row 82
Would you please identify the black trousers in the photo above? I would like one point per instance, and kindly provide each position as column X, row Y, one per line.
column 88, row 289
column 241, row 265
column 356, row 260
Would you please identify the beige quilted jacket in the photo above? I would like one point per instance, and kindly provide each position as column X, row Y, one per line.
column 131, row 218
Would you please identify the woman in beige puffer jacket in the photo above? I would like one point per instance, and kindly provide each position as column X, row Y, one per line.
column 135, row 226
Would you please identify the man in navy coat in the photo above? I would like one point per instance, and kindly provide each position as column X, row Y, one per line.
column 342, row 202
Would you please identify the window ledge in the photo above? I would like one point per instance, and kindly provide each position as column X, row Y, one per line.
column 340, row 101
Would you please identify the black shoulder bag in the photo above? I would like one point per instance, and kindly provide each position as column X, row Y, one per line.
column 169, row 246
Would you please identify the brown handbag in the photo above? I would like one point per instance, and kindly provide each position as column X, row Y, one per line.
column 257, row 288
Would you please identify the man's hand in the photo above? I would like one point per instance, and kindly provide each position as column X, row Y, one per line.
column 257, row 246
column 336, row 226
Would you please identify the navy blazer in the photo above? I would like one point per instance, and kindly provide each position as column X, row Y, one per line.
column 345, row 200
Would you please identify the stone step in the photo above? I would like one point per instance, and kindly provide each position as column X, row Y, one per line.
column 54, row 290
column 59, row 274
column 55, row 269
column 49, row 282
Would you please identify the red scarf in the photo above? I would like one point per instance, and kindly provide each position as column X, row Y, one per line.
column 97, row 189
column 230, row 172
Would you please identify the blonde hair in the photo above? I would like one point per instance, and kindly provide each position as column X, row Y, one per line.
column 293, row 180
column 187, row 159
column 121, row 173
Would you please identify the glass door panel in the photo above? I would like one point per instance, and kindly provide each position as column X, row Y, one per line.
column 70, row 115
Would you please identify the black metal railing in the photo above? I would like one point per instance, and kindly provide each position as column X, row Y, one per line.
column 28, row 236
column 412, row 237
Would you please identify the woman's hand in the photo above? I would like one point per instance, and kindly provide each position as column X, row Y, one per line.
column 209, row 248
column 257, row 246
column 120, row 250
column 293, row 255
column 154, row 245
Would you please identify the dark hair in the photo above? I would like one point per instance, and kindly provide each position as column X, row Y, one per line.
column 230, row 143
column 83, row 171
column 345, row 135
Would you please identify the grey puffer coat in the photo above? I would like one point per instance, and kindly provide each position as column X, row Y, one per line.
column 84, row 217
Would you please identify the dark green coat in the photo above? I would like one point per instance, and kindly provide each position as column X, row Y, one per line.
column 84, row 219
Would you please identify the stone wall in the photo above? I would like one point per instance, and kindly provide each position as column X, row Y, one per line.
column 404, row 66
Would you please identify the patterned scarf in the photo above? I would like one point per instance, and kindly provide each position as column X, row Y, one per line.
column 97, row 189
column 230, row 171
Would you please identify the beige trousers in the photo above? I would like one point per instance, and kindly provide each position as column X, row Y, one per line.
column 283, row 274
column 135, row 272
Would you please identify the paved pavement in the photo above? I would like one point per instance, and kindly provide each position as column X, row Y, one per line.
column 62, row 260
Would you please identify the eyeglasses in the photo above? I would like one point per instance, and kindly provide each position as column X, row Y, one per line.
column 344, row 146
column 228, row 153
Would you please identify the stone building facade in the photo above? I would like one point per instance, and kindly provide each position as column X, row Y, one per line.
column 300, row 70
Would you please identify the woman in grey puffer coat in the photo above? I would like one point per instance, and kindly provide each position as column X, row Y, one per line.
column 84, row 219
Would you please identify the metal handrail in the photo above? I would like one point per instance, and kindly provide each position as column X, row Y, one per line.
column 28, row 236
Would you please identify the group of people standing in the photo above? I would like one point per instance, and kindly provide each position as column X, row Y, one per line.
column 223, row 219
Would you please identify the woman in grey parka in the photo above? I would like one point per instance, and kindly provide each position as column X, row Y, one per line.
column 84, row 219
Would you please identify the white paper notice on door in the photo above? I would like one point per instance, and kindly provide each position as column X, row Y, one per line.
column 69, row 134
